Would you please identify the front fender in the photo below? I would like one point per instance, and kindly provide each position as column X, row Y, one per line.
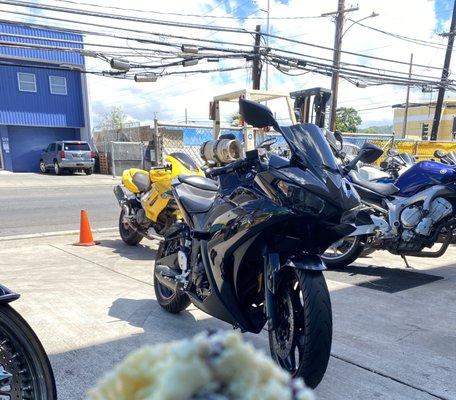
column 310, row 262
column 7, row 295
column 273, row 275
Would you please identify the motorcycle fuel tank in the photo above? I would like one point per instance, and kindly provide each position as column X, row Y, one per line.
column 425, row 174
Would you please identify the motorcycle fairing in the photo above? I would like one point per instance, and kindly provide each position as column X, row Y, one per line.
column 7, row 295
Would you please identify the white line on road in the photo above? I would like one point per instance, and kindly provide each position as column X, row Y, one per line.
column 55, row 233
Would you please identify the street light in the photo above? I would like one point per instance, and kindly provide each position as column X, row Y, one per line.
column 340, row 19
column 373, row 15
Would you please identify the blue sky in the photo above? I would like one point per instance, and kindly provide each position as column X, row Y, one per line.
column 443, row 12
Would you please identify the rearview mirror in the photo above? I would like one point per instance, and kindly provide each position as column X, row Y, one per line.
column 392, row 152
column 339, row 138
column 368, row 153
column 256, row 114
column 439, row 153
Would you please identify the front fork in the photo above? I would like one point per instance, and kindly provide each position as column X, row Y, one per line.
column 271, row 269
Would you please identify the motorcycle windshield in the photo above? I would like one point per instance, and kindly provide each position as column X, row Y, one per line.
column 320, row 174
column 407, row 158
column 308, row 143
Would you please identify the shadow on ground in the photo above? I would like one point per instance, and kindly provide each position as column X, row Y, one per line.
column 390, row 280
column 139, row 252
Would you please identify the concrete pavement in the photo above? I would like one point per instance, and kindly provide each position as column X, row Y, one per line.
column 37, row 203
column 394, row 330
column 50, row 180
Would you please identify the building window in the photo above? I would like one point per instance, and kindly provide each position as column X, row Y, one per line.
column 58, row 84
column 425, row 132
column 27, row 82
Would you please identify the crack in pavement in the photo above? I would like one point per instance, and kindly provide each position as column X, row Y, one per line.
column 384, row 375
column 101, row 265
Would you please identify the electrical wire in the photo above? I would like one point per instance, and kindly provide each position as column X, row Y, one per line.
column 192, row 26
column 422, row 42
column 180, row 14
column 176, row 45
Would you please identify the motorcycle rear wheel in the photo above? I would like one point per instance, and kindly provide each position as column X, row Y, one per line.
column 301, row 342
column 172, row 301
column 128, row 235
column 23, row 362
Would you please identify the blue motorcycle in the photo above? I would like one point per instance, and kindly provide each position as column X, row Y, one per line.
column 405, row 217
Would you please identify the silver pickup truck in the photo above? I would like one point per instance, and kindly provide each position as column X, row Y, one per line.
column 70, row 155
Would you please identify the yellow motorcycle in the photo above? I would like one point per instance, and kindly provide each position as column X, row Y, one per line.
column 148, row 208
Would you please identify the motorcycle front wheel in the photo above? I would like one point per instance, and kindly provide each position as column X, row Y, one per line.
column 301, row 340
column 25, row 370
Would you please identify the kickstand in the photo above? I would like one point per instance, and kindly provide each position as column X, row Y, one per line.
column 407, row 265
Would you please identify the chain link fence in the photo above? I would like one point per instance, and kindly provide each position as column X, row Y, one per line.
column 123, row 148
column 187, row 139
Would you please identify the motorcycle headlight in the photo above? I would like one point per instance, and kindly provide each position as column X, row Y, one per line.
column 300, row 199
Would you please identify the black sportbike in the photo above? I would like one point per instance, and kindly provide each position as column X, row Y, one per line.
column 25, row 371
column 252, row 257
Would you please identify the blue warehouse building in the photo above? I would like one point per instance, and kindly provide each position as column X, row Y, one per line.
column 43, row 94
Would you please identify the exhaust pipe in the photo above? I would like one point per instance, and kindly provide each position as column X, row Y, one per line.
column 167, row 277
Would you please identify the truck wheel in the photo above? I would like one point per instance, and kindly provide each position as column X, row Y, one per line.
column 89, row 171
column 57, row 168
column 43, row 168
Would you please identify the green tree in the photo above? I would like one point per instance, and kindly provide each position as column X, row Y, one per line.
column 234, row 119
column 114, row 120
column 347, row 119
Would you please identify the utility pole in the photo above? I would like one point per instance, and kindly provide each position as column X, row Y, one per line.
column 267, row 45
column 404, row 127
column 336, row 63
column 445, row 73
column 256, row 68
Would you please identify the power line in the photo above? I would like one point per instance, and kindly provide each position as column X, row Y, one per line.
column 110, row 34
column 182, row 14
column 169, row 44
column 422, row 42
column 192, row 26
column 122, row 17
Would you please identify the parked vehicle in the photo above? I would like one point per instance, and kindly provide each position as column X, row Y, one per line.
column 446, row 158
column 25, row 370
column 147, row 206
column 251, row 257
column 68, row 155
column 395, row 164
column 415, row 212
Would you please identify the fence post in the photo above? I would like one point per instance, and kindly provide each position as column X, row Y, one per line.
column 143, row 161
column 157, row 143
column 113, row 164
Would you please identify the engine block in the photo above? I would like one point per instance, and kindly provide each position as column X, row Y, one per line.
column 440, row 208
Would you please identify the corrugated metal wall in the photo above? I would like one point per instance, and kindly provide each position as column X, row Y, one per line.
column 15, row 33
column 41, row 108
column 27, row 142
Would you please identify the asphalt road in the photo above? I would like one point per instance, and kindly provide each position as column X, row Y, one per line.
column 49, row 209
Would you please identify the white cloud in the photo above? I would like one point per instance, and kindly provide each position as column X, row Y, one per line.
column 170, row 96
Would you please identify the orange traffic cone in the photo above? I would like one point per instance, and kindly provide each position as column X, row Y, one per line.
column 85, row 233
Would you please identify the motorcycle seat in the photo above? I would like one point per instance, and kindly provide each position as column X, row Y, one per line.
column 385, row 189
column 142, row 180
column 196, row 199
column 199, row 182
